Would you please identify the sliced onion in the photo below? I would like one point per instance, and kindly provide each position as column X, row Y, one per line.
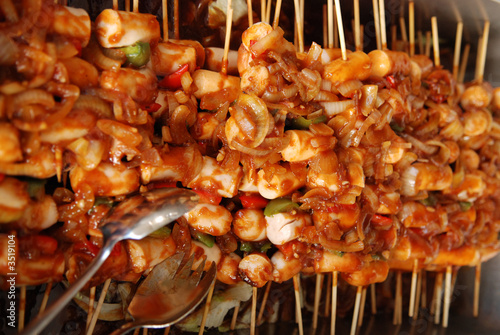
column 333, row 108
column 348, row 88
column 267, row 42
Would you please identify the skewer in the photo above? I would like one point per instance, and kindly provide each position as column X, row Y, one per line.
column 136, row 331
column 419, row 291
column 423, row 298
column 298, row 309
column 22, row 308
column 328, row 295
column 207, row 308
column 250, row 13
column 298, row 25
column 317, row 297
column 373, row 299
column 333, row 318
column 447, row 296
column 330, row 23
column 397, row 317
column 458, row 45
column 376, row 19
column 325, row 26
column 229, row 23
column 268, row 11
column 413, row 290
column 91, row 306
column 277, row 11
column 357, row 33
column 383, row 35
column 428, row 43
column 264, row 301
column 254, row 310
column 115, row 4
column 97, row 311
column 438, row 288
column 235, row 317
column 411, row 19
column 404, row 34
column 356, row 310
column 144, row 331
column 463, row 64
column 338, row 11
column 176, row 19
column 394, row 37
column 484, row 46
column 477, row 282
column 167, row 330
column 435, row 42
column 127, row 5
column 45, row 299
column 164, row 13
column 362, row 307
column 263, row 10
column 335, row 30
column 136, row 6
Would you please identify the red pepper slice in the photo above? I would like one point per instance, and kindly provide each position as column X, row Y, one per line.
column 208, row 197
column 391, row 81
column 381, row 220
column 154, row 107
column 253, row 201
column 173, row 80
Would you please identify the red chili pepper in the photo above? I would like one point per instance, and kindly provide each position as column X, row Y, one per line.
column 154, row 107
column 46, row 244
column 391, row 81
column 253, row 201
column 173, row 80
column 289, row 249
column 381, row 220
column 209, row 197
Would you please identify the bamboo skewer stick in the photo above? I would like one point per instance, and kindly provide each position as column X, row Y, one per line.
column 254, row 311
column 458, row 46
column 447, row 296
column 22, row 308
column 335, row 29
column 264, row 302
column 428, row 37
column 333, row 318
column 402, row 26
column 127, row 5
column 263, row 10
column 97, row 311
column 376, row 19
column 362, row 306
column 411, row 19
column 45, row 299
column 268, row 11
column 167, row 330
column 435, row 42
column 413, row 290
column 354, row 324
column 250, row 13
column 484, row 46
column 330, row 10
column 478, row 57
column 418, row 297
column 438, row 288
column 136, row 6
column 317, row 298
column 235, row 317
column 463, row 64
column 423, row 298
column 277, row 12
column 325, row 26
column 115, row 4
column 136, row 331
column 328, row 295
column 373, row 299
column 164, row 13
column 176, row 19
column 383, row 35
column 477, row 282
column 227, row 41
column 357, row 33
column 298, row 25
column 91, row 306
column 398, row 303
column 298, row 308
column 338, row 11
column 207, row 308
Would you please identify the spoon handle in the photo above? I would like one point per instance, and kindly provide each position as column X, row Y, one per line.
column 42, row 320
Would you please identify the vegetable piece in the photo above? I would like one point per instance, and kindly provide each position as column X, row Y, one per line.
column 246, row 246
column 138, row 54
column 35, row 187
column 163, row 232
column 253, row 201
column 280, row 205
column 46, row 244
column 303, row 123
column 265, row 247
column 173, row 81
column 208, row 197
column 206, row 239
column 380, row 219
column 465, row 205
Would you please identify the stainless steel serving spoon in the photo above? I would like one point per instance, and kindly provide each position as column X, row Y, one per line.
column 134, row 218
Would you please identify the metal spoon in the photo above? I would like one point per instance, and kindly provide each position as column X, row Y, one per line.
column 134, row 218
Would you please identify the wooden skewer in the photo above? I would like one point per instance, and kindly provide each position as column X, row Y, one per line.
column 478, row 57
column 420, row 39
column 229, row 23
column 357, row 32
column 411, row 19
column 419, row 291
column 338, row 11
column 250, row 13
column 477, row 282
column 91, row 306
column 167, row 330
column 277, row 12
column 298, row 25
column 484, row 46
column 383, row 35
column 458, row 46
column 164, row 13
column 335, row 30
column 438, row 288
column 325, row 26
column 328, row 295
column 97, row 311
column 362, row 307
column 136, row 331
column 298, row 308
column 376, row 19
column 22, row 308
column 144, row 331
column 263, row 10
column 235, row 317
column 428, row 43
column 402, row 26
column 317, row 297
column 115, row 4
column 373, row 299
column 394, row 37
column 268, row 11
column 435, row 42
column 254, row 311
column 330, row 10
column 136, row 6
column 43, row 305
column 397, row 318
column 127, row 5
column 447, row 296
column 413, row 290
column 176, row 19
column 463, row 64
column 356, row 310
column 333, row 318
column 207, row 309
column 264, row 301
column 423, row 298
